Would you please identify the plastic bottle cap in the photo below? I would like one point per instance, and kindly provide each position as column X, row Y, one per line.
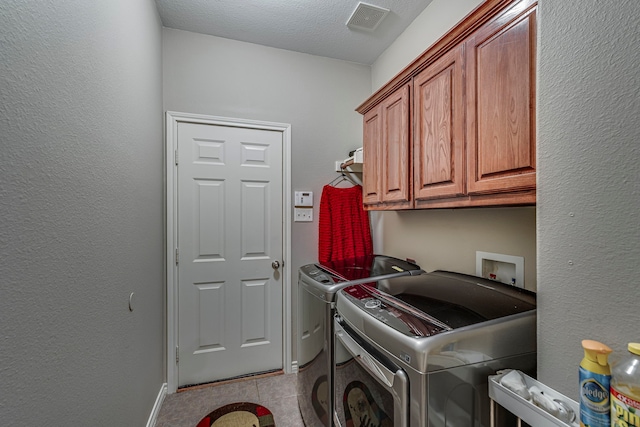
column 595, row 356
column 634, row 348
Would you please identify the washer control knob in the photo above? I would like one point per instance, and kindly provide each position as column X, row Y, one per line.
column 374, row 303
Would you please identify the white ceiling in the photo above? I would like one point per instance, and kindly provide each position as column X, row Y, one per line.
column 317, row 27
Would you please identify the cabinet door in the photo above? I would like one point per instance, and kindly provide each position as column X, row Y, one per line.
column 501, row 63
column 371, row 145
column 395, row 170
column 438, row 142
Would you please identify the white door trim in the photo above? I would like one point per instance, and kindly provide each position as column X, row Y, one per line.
column 171, row 138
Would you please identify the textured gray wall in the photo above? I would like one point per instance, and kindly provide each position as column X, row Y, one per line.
column 81, row 202
column 588, row 182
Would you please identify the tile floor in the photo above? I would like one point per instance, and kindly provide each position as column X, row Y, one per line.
column 277, row 393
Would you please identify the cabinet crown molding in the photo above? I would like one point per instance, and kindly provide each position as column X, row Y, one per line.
column 475, row 19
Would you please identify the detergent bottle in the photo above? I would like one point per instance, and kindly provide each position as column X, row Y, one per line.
column 595, row 379
column 625, row 390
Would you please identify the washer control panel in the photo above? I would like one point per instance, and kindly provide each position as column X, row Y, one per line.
column 392, row 312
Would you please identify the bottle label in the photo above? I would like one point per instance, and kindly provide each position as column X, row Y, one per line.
column 625, row 411
column 595, row 405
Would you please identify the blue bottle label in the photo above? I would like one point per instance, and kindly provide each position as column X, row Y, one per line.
column 594, row 399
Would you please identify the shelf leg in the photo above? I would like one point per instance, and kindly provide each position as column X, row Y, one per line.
column 492, row 413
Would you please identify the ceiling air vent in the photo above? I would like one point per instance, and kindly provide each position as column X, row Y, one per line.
column 366, row 17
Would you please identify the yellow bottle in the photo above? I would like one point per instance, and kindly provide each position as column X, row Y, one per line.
column 595, row 378
column 625, row 390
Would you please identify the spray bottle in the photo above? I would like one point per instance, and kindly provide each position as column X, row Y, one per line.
column 625, row 389
column 595, row 378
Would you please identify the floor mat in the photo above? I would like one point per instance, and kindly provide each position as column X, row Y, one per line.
column 243, row 414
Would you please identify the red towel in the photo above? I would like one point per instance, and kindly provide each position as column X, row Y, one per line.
column 344, row 230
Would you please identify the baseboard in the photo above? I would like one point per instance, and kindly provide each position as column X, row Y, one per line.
column 156, row 406
column 294, row 367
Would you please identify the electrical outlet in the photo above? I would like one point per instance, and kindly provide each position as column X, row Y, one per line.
column 303, row 214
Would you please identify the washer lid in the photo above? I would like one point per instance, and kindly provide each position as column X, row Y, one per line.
column 437, row 302
column 460, row 299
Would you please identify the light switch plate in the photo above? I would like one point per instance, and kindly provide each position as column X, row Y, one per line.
column 303, row 214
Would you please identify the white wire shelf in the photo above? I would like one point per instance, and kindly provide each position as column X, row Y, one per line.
column 525, row 409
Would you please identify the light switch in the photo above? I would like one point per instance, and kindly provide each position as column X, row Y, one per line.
column 303, row 214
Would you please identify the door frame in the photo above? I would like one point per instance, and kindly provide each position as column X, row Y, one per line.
column 171, row 191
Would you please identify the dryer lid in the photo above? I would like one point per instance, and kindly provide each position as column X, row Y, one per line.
column 324, row 280
column 370, row 266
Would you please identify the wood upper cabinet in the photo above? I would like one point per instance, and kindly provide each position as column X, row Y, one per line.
column 471, row 116
column 386, row 150
column 501, row 120
column 438, row 142
column 371, row 146
column 396, row 149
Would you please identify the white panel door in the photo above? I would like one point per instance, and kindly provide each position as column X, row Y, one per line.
column 229, row 234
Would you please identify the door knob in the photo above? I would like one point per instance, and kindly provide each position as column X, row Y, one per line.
column 275, row 265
